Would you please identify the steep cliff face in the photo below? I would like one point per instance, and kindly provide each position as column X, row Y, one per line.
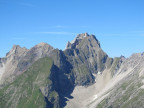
column 87, row 58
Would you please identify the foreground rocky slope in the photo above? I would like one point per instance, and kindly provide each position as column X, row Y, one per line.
column 81, row 76
column 128, row 92
column 124, row 90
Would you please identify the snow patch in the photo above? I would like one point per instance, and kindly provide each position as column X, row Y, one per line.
column 142, row 87
column 99, row 73
column 95, row 97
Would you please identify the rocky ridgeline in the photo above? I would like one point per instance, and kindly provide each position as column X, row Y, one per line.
column 75, row 66
column 19, row 59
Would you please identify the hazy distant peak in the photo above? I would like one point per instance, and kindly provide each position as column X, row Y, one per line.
column 42, row 44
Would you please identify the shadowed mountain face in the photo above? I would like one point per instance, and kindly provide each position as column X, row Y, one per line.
column 86, row 57
column 46, row 77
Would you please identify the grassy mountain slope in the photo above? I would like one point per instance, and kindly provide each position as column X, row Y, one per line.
column 27, row 90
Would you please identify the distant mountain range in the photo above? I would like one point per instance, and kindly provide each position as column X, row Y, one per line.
column 81, row 76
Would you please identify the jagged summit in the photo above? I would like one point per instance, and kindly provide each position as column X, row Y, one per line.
column 80, row 37
column 83, row 35
column 16, row 49
column 43, row 44
column 42, row 47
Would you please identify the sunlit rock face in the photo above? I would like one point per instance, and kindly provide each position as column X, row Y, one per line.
column 81, row 76
column 19, row 59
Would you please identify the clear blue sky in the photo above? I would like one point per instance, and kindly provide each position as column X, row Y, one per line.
column 118, row 24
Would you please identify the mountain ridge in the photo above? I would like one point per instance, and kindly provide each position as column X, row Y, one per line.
column 82, row 64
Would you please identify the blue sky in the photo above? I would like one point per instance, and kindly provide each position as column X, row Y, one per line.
column 118, row 24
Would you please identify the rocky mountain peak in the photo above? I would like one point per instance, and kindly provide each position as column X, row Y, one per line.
column 16, row 46
column 38, row 51
column 42, row 44
column 83, row 35
column 16, row 50
column 84, row 38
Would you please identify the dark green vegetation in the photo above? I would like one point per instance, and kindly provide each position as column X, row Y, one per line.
column 26, row 90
